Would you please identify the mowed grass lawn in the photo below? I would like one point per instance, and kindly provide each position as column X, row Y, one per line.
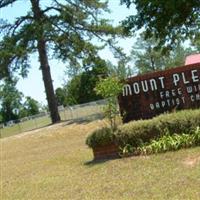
column 54, row 163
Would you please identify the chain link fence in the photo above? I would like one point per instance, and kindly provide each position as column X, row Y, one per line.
column 88, row 111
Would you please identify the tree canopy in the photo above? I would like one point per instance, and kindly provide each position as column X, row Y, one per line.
column 10, row 99
column 80, row 89
column 30, row 107
column 55, row 28
column 169, row 20
column 147, row 57
column 13, row 104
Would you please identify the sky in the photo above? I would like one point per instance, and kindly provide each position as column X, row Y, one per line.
column 33, row 84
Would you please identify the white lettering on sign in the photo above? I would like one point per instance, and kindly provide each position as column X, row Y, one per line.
column 155, row 83
column 194, row 88
column 189, row 89
column 195, row 97
column 127, row 90
column 144, row 86
column 195, row 77
column 167, row 103
column 184, row 79
column 176, row 79
column 136, row 88
column 162, row 82
column 170, row 93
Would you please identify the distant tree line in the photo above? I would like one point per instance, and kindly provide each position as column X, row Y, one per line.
column 13, row 104
column 143, row 58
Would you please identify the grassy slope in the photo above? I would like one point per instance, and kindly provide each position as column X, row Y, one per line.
column 52, row 163
column 92, row 110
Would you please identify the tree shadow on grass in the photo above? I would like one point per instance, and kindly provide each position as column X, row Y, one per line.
column 100, row 161
column 70, row 122
column 83, row 120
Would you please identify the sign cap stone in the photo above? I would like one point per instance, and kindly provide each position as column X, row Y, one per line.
column 192, row 59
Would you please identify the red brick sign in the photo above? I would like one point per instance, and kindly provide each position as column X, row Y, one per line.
column 148, row 95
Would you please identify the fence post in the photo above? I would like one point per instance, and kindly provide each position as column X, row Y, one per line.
column 35, row 121
column 71, row 111
column 19, row 128
column 65, row 118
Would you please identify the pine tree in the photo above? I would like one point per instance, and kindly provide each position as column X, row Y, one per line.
column 63, row 29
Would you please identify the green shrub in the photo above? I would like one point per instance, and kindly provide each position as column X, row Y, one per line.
column 139, row 132
column 100, row 137
column 109, row 89
column 171, row 143
column 163, row 144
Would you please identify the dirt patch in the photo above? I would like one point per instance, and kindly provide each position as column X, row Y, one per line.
column 192, row 161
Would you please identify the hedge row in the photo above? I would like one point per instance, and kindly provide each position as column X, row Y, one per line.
column 100, row 137
column 136, row 133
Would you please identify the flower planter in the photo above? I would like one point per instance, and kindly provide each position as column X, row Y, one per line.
column 108, row 151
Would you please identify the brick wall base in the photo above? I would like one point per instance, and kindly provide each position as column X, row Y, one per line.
column 106, row 152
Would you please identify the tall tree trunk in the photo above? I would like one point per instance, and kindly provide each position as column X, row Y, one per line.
column 46, row 74
column 51, row 99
